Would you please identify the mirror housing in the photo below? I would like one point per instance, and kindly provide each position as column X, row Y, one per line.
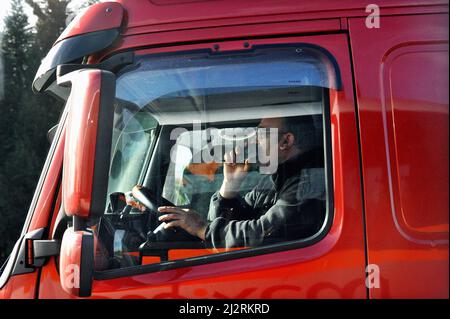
column 76, row 262
column 87, row 146
column 87, row 149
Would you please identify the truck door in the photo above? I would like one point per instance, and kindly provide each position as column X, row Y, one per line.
column 168, row 106
column 401, row 73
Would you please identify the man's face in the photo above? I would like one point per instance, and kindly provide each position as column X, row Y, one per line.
column 264, row 140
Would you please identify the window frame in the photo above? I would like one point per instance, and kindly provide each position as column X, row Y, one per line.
column 256, row 251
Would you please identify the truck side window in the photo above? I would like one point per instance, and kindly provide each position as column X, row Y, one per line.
column 232, row 145
column 133, row 134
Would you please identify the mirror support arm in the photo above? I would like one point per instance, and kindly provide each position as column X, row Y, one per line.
column 34, row 252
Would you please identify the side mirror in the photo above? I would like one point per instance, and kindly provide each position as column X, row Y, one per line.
column 76, row 266
column 85, row 171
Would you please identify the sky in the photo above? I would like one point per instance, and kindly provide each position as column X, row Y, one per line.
column 5, row 7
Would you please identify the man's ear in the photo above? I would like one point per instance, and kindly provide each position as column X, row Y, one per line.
column 287, row 141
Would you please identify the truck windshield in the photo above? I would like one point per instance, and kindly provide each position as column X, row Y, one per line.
column 177, row 116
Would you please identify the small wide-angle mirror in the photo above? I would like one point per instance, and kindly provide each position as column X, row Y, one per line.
column 76, row 266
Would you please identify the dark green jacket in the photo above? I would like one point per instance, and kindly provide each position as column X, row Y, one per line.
column 287, row 205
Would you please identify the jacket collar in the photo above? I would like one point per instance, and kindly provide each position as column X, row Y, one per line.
column 294, row 165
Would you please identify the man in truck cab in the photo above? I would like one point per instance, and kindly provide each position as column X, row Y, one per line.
column 287, row 205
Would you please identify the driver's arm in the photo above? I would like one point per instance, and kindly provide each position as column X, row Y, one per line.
column 236, row 208
column 297, row 213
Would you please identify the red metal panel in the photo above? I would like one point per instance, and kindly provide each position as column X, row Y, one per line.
column 300, row 17
column 291, row 25
column 417, row 96
column 219, row 34
column 100, row 16
column 403, row 118
column 145, row 12
column 214, row 20
column 50, row 286
column 20, row 287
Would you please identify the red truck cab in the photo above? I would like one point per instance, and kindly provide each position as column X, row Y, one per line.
column 148, row 83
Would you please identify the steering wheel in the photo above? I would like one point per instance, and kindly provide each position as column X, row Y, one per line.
column 147, row 198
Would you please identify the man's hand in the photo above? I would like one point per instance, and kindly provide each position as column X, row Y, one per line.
column 233, row 174
column 185, row 218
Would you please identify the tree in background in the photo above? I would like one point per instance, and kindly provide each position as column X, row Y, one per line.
column 51, row 21
column 16, row 51
column 25, row 117
column 17, row 48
